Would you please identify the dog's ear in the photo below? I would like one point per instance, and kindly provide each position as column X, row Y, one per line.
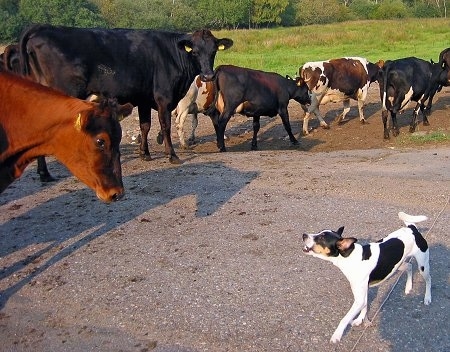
column 340, row 231
column 345, row 245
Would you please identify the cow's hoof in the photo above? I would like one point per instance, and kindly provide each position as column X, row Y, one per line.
column 395, row 133
column 254, row 147
column 175, row 160
column 46, row 178
column 426, row 123
column 412, row 129
column 145, row 157
column 363, row 121
column 325, row 127
column 222, row 150
column 295, row 142
column 159, row 138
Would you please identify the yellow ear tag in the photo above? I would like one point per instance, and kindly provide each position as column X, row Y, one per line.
column 187, row 48
column 78, row 122
column 221, row 47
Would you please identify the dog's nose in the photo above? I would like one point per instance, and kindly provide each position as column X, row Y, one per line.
column 305, row 236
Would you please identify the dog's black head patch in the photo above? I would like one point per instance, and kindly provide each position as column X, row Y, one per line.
column 329, row 243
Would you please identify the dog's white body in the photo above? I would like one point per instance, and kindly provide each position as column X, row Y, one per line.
column 371, row 264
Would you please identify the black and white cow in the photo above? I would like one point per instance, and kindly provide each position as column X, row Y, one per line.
column 335, row 81
column 405, row 80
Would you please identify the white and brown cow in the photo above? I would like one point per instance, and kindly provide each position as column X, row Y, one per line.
column 338, row 80
column 198, row 99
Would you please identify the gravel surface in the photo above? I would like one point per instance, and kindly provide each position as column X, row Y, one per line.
column 206, row 256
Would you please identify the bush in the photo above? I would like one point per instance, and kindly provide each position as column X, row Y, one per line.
column 390, row 9
column 423, row 10
column 362, row 9
column 10, row 27
column 320, row 12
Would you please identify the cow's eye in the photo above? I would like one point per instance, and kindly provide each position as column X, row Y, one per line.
column 100, row 143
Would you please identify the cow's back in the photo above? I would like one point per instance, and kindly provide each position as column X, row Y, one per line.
column 347, row 75
column 117, row 62
column 408, row 73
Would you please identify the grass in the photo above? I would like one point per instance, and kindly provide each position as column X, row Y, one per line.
column 433, row 137
column 284, row 50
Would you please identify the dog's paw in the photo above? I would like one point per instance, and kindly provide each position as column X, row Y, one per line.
column 427, row 300
column 335, row 338
column 357, row 321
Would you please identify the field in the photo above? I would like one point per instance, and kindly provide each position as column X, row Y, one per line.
column 284, row 50
column 207, row 255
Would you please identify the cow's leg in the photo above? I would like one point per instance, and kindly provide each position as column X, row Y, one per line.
column 191, row 139
column 222, row 121
column 395, row 129
column 427, row 110
column 341, row 116
column 144, row 124
column 42, row 170
column 313, row 108
column 413, row 124
column 361, row 103
column 287, row 125
column 306, row 122
column 179, row 123
column 165, row 123
column 256, row 127
column 384, row 117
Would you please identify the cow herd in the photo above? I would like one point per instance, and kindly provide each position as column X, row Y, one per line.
column 172, row 73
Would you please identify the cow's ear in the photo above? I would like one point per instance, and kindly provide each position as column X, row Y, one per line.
column 124, row 110
column 185, row 45
column 224, row 43
column 299, row 81
column 80, row 120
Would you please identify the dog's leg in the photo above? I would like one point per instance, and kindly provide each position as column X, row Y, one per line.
column 423, row 261
column 408, row 268
column 360, row 295
column 362, row 314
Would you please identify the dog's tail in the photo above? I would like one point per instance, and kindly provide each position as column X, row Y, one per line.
column 411, row 219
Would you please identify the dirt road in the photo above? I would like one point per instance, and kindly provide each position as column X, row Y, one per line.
column 206, row 256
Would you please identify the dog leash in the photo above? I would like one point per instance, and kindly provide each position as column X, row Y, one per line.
column 398, row 279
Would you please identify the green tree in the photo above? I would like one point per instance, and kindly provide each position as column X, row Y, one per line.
column 320, row 11
column 11, row 22
column 390, row 9
column 80, row 13
column 268, row 12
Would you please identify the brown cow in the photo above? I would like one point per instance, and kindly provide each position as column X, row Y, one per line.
column 338, row 80
column 84, row 136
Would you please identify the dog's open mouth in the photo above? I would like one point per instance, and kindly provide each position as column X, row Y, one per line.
column 307, row 249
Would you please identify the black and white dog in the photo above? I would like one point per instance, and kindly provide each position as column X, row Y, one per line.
column 370, row 264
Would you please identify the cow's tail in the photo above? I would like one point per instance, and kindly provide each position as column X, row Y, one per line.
column 384, row 71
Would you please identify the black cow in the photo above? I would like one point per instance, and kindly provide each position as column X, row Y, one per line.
column 444, row 58
column 150, row 69
column 254, row 93
column 11, row 58
column 405, row 80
